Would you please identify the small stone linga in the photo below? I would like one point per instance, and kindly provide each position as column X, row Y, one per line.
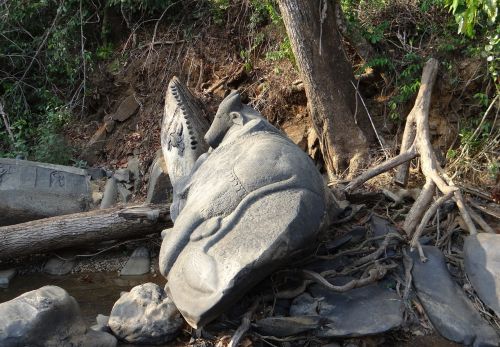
column 252, row 203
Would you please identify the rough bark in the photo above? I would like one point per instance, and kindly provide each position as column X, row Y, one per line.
column 416, row 140
column 327, row 76
column 79, row 229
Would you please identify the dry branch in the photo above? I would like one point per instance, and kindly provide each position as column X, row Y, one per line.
column 416, row 141
column 46, row 235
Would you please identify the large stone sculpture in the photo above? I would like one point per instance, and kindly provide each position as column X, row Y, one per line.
column 248, row 205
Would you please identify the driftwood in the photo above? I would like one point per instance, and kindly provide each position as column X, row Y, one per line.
column 416, row 142
column 79, row 229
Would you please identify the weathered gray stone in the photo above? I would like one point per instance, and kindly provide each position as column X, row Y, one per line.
column 127, row 108
column 145, row 315
column 123, row 175
column 482, row 264
column 159, row 187
column 101, row 323
column 134, row 166
column 447, row 306
column 368, row 310
column 6, row 276
column 247, row 207
column 31, row 190
column 58, row 266
column 47, row 317
column 96, row 173
column 138, row 263
column 124, row 193
column 110, row 193
column 288, row 326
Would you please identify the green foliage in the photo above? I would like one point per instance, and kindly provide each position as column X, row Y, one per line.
column 147, row 6
column 469, row 13
column 284, row 52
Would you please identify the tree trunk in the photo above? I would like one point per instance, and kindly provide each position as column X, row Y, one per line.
column 78, row 229
column 327, row 77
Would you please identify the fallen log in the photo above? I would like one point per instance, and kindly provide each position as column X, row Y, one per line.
column 46, row 235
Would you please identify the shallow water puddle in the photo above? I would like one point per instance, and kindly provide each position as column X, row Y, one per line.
column 95, row 292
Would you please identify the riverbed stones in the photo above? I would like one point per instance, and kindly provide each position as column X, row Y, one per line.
column 110, row 193
column 145, row 315
column 159, row 187
column 47, row 317
column 31, row 190
column 482, row 264
column 368, row 310
column 58, row 267
column 447, row 306
column 247, row 208
column 138, row 264
column 127, row 108
column 6, row 276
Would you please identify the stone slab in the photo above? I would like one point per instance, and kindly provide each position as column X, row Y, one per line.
column 482, row 264
column 159, row 187
column 31, row 190
column 138, row 264
column 6, row 276
column 127, row 108
column 447, row 306
column 58, row 267
column 368, row 310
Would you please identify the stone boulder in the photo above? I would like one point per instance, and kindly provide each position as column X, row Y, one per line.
column 247, row 207
column 47, row 317
column 482, row 264
column 447, row 306
column 145, row 315
column 31, row 190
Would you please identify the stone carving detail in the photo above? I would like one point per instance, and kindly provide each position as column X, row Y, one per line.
column 249, row 205
column 57, row 179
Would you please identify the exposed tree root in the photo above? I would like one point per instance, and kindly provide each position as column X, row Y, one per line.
column 416, row 142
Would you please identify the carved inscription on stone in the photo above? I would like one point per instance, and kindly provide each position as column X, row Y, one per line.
column 57, row 179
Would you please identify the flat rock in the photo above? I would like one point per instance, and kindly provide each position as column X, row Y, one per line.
column 447, row 306
column 6, row 276
column 31, row 190
column 127, row 108
column 288, row 326
column 145, row 315
column 123, row 175
column 159, row 187
column 96, row 173
column 57, row 266
column 124, row 193
column 110, row 193
column 47, row 317
column 482, row 265
column 134, row 167
column 368, row 310
column 101, row 323
column 138, row 263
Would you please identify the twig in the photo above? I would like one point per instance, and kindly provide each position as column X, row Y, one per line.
column 427, row 217
column 45, row 37
column 479, row 220
column 385, row 166
column 383, row 246
column 374, row 275
column 83, row 58
column 371, row 121
column 245, row 324
column 6, row 123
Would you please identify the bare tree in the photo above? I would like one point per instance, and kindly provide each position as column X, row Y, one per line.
column 342, row 128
